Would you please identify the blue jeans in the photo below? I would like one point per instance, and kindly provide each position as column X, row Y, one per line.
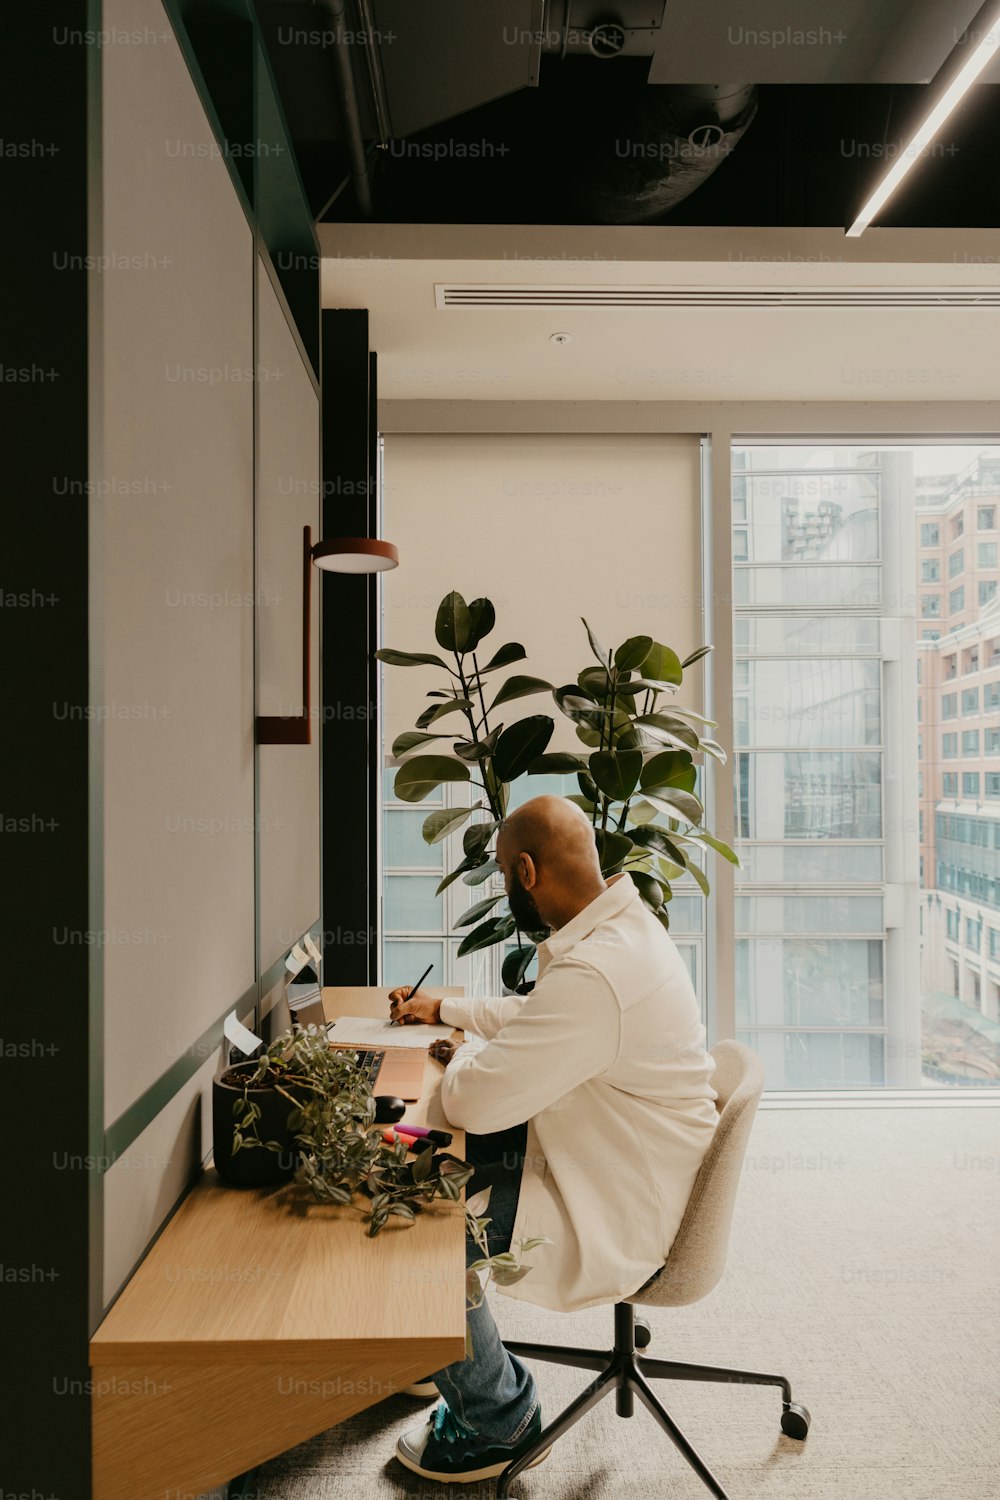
column 493, row 1393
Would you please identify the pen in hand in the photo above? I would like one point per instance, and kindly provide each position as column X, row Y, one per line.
column 412, row 992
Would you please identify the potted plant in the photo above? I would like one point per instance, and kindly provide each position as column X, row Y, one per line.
column 636, row 781
column 324, row 1112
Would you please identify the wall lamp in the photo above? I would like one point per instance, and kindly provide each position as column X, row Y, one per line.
column 338, row 554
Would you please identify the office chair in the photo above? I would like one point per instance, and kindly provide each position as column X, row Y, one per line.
column 695, row 1264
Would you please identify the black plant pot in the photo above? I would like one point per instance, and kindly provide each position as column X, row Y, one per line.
column 251, row 1166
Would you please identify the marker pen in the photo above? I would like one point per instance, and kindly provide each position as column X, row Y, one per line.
column 412, row 1142
column 439, row 1137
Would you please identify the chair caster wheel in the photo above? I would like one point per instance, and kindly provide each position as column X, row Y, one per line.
column 643, row 1333
column 795, row 1421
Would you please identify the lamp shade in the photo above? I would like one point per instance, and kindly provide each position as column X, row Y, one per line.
column 355, row 554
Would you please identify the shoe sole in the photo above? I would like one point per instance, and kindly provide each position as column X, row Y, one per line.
column 468, row 1476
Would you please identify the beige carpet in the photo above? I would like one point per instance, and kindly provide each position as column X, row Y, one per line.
column 865, row 1265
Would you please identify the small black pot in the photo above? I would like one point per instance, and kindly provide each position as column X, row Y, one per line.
column 251, row 1166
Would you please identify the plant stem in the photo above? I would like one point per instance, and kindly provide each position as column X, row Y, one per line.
column 470, row 716
column 482, row 701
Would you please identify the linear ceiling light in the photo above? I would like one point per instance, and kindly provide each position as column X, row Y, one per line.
column 951, row 96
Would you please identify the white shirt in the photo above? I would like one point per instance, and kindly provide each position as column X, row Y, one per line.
column 606, row 1061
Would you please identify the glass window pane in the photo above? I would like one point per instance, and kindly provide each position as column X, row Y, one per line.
column 820, row 914
column 687, row 914
column 813, row 703
column 799, row 516
column 527, row 787
column 857, row 587
column 404, row 961
column 809, row 794
column 410, row 905
column 404, row 844
column 805, row 635
column 813, row 981
column 819, row 1060
column 810, row 864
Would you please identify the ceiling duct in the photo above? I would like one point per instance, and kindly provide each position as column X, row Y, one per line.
column 637, row 155
column 456, row 295
column 668, row 141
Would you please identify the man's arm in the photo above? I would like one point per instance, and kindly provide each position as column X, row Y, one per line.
column 484, row 1017
column 564, row 1032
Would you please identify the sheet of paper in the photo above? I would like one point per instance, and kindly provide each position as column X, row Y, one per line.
column 241, row 1036
column 376, row 1031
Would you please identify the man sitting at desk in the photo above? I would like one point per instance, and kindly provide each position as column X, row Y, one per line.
column 588, row 1112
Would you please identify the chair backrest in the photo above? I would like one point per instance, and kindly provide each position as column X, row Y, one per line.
column 697, row 1257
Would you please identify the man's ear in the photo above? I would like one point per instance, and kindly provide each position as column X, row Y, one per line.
column 526, row 870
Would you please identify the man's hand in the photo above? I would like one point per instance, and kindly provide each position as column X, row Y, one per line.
column 442, row 1051
column 419, row 1008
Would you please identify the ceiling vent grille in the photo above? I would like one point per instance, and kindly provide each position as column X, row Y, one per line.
column 513, row 295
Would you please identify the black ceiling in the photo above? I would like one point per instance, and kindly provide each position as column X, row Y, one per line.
column 808, row 159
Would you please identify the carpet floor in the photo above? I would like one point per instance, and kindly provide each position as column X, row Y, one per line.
column 864, row 1265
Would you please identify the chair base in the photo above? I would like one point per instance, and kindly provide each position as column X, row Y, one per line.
column 626, row 1372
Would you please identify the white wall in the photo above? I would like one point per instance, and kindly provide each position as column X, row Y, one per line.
column 550, row 527
column 177, row 629
column 287, row 500
column 197, row 842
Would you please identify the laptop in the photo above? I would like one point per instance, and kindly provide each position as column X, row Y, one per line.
column 398, row 1071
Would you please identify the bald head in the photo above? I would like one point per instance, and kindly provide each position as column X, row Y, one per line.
column 549, row 859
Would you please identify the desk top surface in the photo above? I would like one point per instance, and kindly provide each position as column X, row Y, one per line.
column 241, row 1270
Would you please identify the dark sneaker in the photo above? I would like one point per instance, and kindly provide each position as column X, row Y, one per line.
column 443, row 1449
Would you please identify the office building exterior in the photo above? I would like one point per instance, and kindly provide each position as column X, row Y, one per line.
column 959, row 695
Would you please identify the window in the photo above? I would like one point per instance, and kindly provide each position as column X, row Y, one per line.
column 819, row 781
column 810, row 933
column 995, row 942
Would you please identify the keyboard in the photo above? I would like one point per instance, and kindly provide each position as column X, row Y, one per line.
column 370, row 1061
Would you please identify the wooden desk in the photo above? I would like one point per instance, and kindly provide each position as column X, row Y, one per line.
column 260, row 1318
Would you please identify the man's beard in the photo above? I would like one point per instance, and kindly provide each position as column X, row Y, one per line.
column 523, row 908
